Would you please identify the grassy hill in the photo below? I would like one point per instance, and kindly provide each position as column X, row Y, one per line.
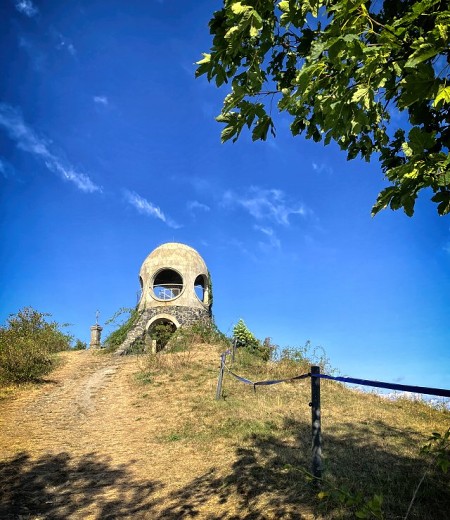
column 142, row 436
column 371, row 445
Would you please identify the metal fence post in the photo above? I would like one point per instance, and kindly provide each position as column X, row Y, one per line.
column 219, row 381
column 316, row 424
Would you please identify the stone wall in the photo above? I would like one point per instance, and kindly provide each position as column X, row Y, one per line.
column 184, row 315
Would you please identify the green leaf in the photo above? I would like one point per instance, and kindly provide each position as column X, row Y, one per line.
column 261, row 128
column 443, row 197
column 383, row 200
column 442, row 96
column 231, row 31
column 362, row 95
column 419, row 140
column 359, row 93
column 206, row 59
column 423, row 53
column 204, row 65
column 284, row 6
column 254, row 31
column 227, row 133
column 239, row 8
column 407, row 150
column 443, row 31
column 417, row 85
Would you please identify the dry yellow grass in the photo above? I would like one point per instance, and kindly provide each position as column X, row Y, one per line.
column 109, row 437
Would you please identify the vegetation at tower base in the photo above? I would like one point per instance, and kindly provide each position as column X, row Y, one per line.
column 117, row 337
column 371, row 76
column 27, row 346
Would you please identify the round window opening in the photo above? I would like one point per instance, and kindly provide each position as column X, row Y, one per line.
column 167, row 284
column 201, row 288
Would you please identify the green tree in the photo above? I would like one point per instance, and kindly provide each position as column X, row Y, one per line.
column 244, row 338
column 27, row 344
column 340, row 69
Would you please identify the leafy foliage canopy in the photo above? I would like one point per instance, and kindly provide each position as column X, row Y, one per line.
column 369, row 75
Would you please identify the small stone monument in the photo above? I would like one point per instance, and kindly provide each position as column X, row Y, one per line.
column 96, row 332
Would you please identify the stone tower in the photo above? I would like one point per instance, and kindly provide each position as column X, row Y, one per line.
column 175, row 290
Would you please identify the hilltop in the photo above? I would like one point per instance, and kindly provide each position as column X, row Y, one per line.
column 138, row 437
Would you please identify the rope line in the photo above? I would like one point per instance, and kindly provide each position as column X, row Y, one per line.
column 265, row 382
column 441, row 392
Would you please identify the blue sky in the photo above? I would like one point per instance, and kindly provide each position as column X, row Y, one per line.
column 108, row 148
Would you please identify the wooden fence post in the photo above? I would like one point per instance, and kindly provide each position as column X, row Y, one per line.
column 316, row 424
column 219, row 381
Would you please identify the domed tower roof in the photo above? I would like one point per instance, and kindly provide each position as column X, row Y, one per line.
column 174, row 274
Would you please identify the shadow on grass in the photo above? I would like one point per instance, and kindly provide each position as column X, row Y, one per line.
column 266, row 481
column 56, row 487
column 268, row 478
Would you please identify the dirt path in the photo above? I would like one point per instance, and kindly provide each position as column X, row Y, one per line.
column 86, row 444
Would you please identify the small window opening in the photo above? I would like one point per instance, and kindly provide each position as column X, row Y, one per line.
column 167, row 284
column 140, row 291
column 200, row 288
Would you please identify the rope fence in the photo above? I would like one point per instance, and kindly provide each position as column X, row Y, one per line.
column 440, row 392
column 315, row 375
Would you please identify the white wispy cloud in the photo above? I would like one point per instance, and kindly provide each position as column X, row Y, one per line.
column 145, row 207
column 101, row 100
column 26, row 7
column 27, row 140
column 64, row 43
column 321, row 167
column 272, row 241
column 194, row 205
column 266, row 204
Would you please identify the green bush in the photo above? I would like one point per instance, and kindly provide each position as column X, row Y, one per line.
column 304, row 357
column 116, row 338
column 205, row 331
column 245, row 339
column 79, row 345
column 27, row 345
column 202, row 331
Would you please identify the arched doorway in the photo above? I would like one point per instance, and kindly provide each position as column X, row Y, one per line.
column 161, row 330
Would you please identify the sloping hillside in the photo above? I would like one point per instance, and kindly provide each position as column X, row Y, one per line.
column 125, row 437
